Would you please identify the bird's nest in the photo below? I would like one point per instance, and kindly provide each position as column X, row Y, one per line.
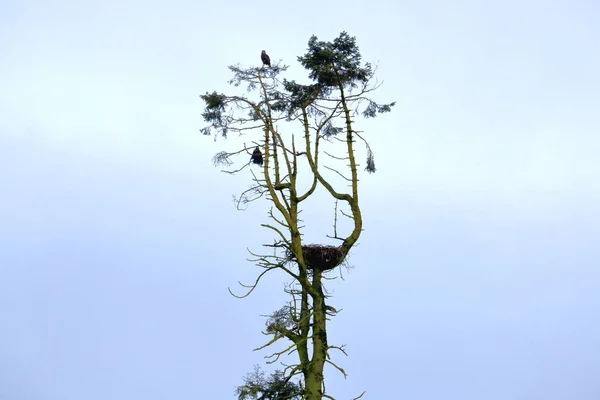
column 321, row 257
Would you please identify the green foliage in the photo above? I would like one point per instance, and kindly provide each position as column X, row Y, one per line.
column 373, row 109
column 275, row 387
column 335, row 67
column 337, row 63
column 370, row 168
column 330, row 130
column 302, row 95
column 213, row 113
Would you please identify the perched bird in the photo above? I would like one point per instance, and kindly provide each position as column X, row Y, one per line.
column 257, row 157
column 266, row 60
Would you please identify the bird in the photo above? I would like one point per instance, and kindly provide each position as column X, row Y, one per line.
column 266, row 60
column 257, row 157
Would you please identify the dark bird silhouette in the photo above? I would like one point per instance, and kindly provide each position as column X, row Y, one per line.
column 257, row 157
column 266, row 60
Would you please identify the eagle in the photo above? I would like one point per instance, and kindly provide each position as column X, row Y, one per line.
column 266, row 60
column 257, row 157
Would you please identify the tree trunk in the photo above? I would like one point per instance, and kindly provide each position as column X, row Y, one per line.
column 314, row 378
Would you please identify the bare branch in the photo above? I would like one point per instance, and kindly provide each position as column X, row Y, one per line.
column 337, row 367
column 253, row 286
column 361, row 395
column 337, row 172
column 276, row 337
column 337, row 158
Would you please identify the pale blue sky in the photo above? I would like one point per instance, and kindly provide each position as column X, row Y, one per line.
column 477, row 276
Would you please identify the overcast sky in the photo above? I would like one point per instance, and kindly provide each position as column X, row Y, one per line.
column 477, row 275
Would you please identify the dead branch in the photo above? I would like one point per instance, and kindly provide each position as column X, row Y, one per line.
column 337, row 172
column 253, row 286
column 337, row 367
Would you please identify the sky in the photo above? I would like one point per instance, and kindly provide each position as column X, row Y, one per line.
column 477, row 274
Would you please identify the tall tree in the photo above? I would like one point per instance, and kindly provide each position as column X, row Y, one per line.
column 289, row 125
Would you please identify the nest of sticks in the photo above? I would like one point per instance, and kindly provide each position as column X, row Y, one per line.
column 321, row 257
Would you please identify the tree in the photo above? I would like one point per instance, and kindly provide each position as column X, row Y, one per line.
column 313, row 115
column 275, row 387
